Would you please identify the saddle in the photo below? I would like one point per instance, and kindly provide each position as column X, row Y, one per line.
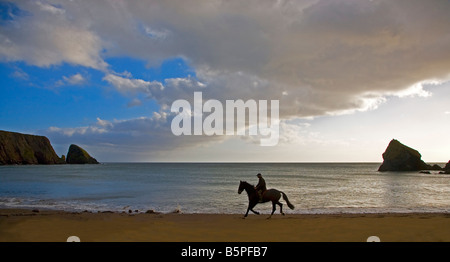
column 260, row 195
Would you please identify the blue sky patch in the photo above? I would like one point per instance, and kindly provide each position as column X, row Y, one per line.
column 70, row 95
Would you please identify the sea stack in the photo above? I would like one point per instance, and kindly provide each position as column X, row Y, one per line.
column 78, row 155
column 23, row 149
column 399, row 157
column 447, row 168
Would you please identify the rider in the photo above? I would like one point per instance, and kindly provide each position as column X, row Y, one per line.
column 261, row 186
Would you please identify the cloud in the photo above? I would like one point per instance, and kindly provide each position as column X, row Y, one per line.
column 46, row 36
column 69, row 132
column 327, row 55
column 133, row 86
column 316, row 57
column 155, row 33
column 331, row 57
column 136, row 139
column 134, row 102
column 164, row 93
column 50, row 8
column 20, row 74
column 76, row 79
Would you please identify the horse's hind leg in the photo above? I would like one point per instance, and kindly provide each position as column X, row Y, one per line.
column 273, row 209
column 281, row 208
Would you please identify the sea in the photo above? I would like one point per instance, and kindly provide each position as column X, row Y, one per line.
column 314, row 188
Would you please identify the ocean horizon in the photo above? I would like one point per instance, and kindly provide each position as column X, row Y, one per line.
column 211, row 187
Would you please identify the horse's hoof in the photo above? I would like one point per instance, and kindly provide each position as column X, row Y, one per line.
column 282, row 214
column 269, row 217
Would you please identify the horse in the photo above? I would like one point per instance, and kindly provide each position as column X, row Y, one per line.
column 269, row 195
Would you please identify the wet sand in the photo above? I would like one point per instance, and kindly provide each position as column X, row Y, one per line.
column 57, row 226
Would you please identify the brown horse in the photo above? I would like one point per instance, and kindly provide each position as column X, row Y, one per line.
column 269, row 195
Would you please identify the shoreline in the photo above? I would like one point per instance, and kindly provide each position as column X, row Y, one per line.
column 26, row 225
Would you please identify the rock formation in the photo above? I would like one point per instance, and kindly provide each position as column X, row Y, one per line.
column 22, row 149
column 78, row 155
column 447, row 168
column 399, row 157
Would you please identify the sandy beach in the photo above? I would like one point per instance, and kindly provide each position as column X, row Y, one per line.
column 57, row 226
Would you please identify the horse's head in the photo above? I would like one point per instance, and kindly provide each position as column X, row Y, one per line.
column 245, row 186
column 241, row 187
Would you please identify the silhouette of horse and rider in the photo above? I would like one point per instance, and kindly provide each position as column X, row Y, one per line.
column 260, row 194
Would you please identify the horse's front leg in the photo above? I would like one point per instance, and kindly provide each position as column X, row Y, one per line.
column 273, row 210
column 250, row 207
column 256, row 212
column 246, row 213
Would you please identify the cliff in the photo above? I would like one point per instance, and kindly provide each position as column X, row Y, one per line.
column 78, row 155
column 22, row 149
column 399, row 157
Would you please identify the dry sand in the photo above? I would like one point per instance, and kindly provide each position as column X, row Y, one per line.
column 57, row 226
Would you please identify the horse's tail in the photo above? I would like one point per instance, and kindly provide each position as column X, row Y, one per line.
column 290, row 205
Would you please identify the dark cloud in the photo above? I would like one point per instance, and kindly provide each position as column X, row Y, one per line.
column 325, row 54
column 316, row 57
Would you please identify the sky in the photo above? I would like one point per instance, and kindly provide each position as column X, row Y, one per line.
column 349, row 75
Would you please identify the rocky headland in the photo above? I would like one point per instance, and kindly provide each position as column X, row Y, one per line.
column 23, row 149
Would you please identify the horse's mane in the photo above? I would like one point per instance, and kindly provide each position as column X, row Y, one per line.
column 248, row 183
column 249, row 186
